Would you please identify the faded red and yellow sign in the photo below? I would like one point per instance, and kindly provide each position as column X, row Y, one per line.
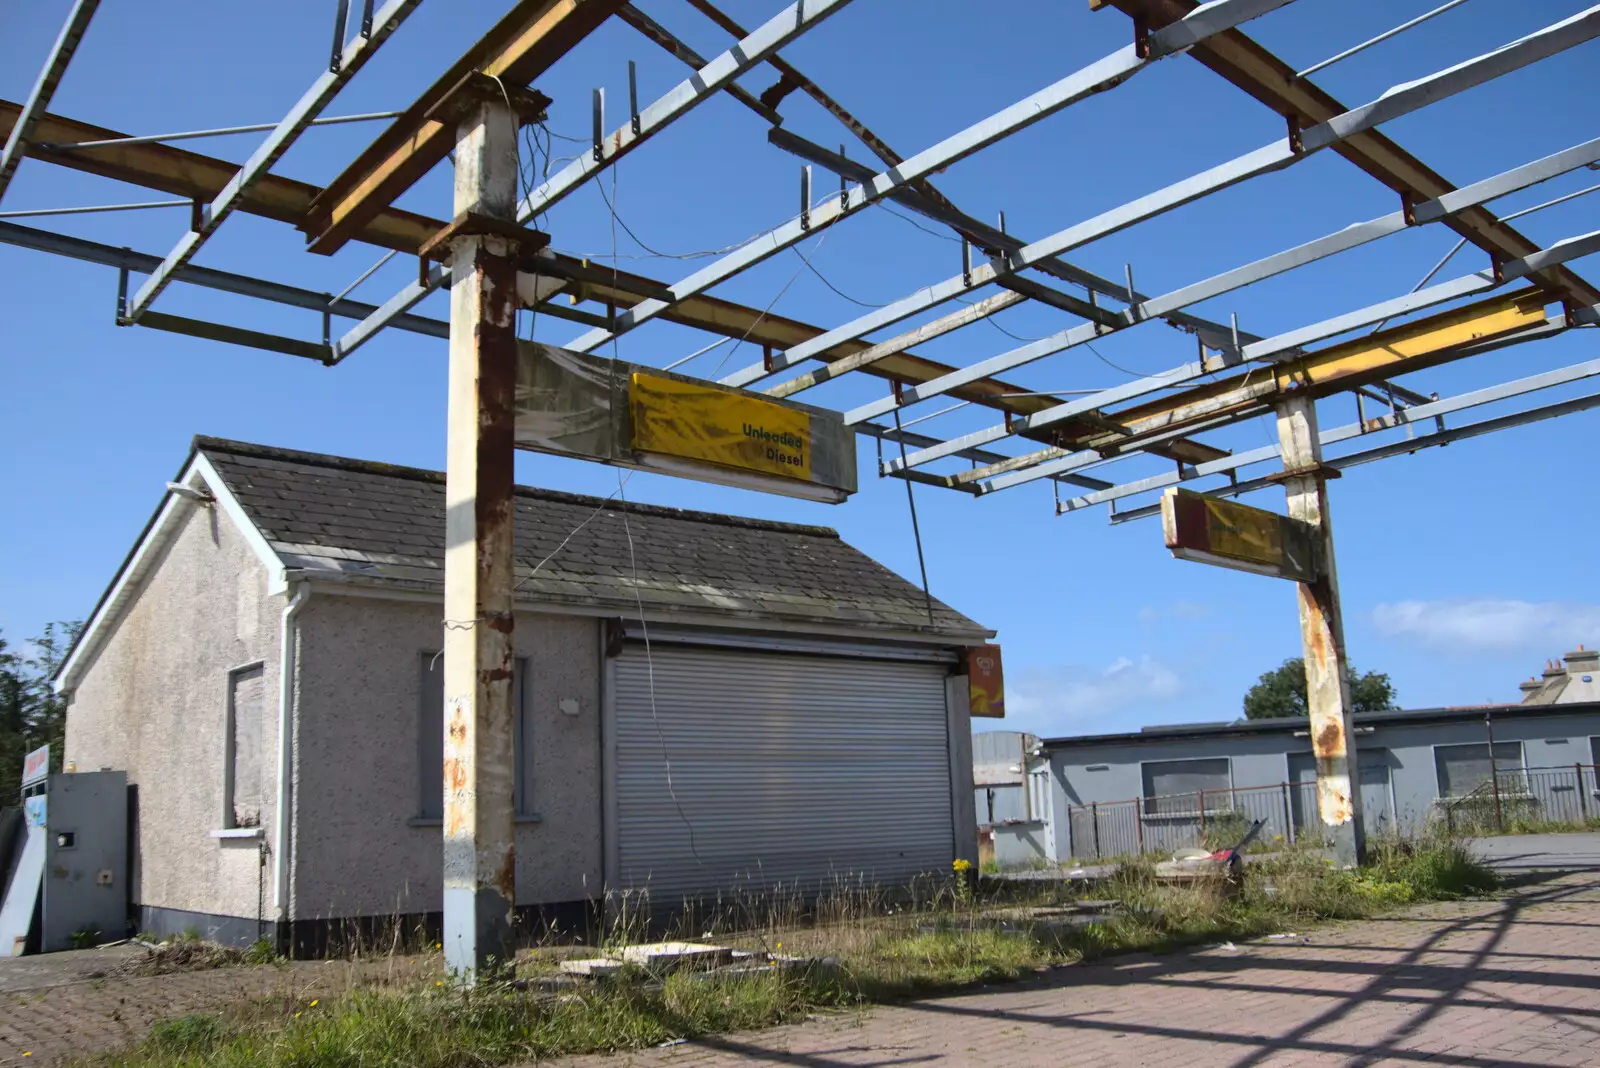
column 986, row 691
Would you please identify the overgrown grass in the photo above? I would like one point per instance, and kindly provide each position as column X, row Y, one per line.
column 876, row 951
column 440, row 1029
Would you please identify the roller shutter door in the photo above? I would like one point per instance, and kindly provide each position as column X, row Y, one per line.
column 787, row 769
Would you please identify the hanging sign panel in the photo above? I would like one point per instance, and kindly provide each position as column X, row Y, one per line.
column 36, row 765
column 1226, row 533
column 986, row 688
column 618, row 413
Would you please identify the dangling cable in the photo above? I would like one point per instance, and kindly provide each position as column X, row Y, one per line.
column 911, row 502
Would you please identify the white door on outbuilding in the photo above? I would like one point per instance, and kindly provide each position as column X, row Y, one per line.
column 744, row 769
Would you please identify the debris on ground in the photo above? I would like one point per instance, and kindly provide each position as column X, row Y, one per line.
column 654, row 959
column 186, row 955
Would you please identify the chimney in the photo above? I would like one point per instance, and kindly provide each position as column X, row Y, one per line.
column 1553, row 669
column 1529, row 688
column 1583, row 662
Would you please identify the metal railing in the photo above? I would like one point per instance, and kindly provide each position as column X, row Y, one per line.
column 1523, row 801
column 1527, row 800
column 1209, row 819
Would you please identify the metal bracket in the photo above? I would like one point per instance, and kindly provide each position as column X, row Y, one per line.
column 471, row 224
column 1141, row 37
column 766, row 358
column 805, row 197
column 633, row 98
column 234, row 335
column 341, row 18
column 1296, row 145
column 476, row 88
column 366, row 29
column 1322, row 472
column 1408, row 207
column 966, row 262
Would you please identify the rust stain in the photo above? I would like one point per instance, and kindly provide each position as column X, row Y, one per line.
column 494, row 675
column 1328, row 741
column 455, row 775
column 505, row 876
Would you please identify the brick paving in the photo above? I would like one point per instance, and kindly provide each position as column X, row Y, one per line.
column 1514, row 982
column 56, row 1013
column 1487, row 984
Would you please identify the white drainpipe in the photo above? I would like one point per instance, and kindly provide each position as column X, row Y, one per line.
column 287, row 663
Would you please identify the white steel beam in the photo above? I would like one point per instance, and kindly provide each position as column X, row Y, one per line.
column 710, row 79
column 1397, row 101
column 1088, row 457
column 1421, row 413
column 1107, row 72
column 355, row 54
column 44, row 87
column 1404, row 447
column 1339, row 241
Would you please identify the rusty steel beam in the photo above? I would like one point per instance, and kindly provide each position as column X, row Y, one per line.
column 1400, row 350
column 478, row 771
column 195, row 176
column 1237, row 57
column 198, row 177
column 1327, row 667
column 519, row 48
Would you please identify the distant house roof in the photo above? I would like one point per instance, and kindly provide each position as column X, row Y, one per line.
column 1573, row 678
column 1257, row 727
column 327, row 518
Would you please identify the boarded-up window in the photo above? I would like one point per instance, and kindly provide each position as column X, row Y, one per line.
column 246, row 705
column 1464, row 768
column 1175, row 786
column 430, row 740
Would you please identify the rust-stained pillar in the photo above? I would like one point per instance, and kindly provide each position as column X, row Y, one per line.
column 1322, row 634
column 479, row 847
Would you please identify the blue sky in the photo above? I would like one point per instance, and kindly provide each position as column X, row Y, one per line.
column 1462, row 568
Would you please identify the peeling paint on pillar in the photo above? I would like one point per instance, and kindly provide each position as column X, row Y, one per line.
column 479, row 777
column 1322, row 635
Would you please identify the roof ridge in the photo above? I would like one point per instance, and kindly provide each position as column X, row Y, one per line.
column 206, row 443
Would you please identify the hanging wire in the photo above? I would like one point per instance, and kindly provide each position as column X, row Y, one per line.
column 776, row 297
column 1461, row 244
column 824, row 280
column 911, row 503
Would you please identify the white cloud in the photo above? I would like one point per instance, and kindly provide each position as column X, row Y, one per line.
column 1481, row 624
column 1075, row 698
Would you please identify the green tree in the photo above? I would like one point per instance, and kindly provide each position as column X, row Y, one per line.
column 1281, row 692
column 31, row 712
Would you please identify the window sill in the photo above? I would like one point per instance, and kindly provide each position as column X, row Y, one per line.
column 239, row 832
column 434, row 821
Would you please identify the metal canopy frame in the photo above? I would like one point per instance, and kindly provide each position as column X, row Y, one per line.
column 475, row 110
column 1064, row 435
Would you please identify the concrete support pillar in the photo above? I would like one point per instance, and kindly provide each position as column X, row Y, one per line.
column 479, row 818
column 1322, row 633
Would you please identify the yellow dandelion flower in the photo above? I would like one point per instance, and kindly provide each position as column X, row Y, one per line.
column 27, row 1053
column 297, row 1016
column 314, row 1002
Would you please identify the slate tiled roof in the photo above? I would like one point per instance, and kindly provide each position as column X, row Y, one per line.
column 372, row 522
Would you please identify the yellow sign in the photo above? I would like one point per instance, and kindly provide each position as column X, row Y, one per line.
column 1198, row 526
column 1243, row 532
column 697, row 422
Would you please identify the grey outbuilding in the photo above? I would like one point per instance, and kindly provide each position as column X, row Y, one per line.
column 705, row 703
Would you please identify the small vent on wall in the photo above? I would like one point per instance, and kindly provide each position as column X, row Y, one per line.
column 1098, row 767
